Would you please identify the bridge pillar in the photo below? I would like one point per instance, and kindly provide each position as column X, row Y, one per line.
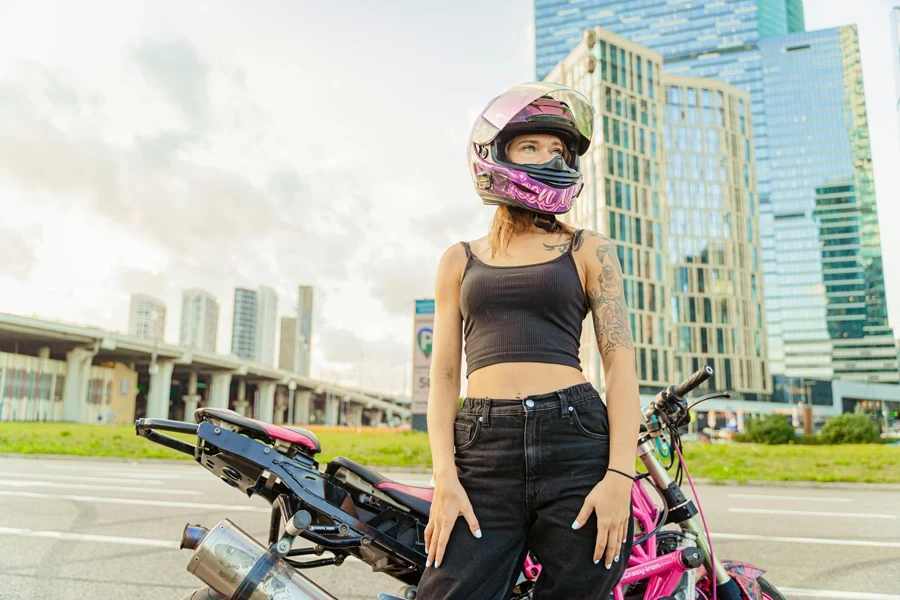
column 78, row 372
column 266, row 401
column 332, row 406
column 301, row 407
column 160, row 390
column 219, row 388
column 241, row 406
column 356, row 414
column 192, row 398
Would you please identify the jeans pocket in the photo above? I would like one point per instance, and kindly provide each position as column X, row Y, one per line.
column 591, row 419
column 465, row 432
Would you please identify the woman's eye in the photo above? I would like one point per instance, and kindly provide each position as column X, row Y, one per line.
column 558, row 151
column 528, row 147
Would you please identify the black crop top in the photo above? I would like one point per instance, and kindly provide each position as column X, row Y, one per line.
column 526, row 313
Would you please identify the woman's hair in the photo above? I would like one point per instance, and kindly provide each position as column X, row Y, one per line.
column 510, row 221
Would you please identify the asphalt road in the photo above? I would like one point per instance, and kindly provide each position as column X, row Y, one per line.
column 80, row 529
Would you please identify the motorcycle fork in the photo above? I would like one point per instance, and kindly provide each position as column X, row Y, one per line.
column 691, row 526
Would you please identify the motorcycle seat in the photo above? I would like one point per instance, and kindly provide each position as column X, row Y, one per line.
column 416, row 498
column 260, row 430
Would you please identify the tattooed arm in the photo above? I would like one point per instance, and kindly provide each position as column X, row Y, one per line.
column 606, row 297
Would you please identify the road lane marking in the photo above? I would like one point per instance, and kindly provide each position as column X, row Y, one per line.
column 798, row 593
column 85, row 537
column 803, row 540
column 43, row 476
column 135, row 501
column 108, row 488
column 810, row 513
column 800, row 498
column 131, row 473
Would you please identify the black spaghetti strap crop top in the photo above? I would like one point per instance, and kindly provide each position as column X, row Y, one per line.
column 526, row 313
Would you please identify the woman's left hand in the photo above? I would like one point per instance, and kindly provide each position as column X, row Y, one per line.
column 611, row 501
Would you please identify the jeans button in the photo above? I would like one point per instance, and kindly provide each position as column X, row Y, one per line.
column 529, row 403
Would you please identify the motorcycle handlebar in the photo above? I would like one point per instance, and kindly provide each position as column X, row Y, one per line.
column 145, row 428
column 692, row 382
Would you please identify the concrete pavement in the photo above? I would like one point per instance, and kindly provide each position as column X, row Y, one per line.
column 104, row 529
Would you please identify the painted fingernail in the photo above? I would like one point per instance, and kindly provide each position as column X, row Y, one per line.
column 478, row 534
column 616, row 559
column 596, row 561
column 427, row 563
column 436, row 564
column 575, row 525
column 609, row 566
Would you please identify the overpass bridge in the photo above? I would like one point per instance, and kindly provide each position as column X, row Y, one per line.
column 62, row 372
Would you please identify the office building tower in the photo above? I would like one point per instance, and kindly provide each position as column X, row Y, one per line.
column 147, row 317
column 243, row 324
column 623, row 195
column 287, row 343
column 714, row 244
column 199, row 320
column 720, row 34
column 304, row 329
column 895, row 51
column 266, row 317
column 824, row 282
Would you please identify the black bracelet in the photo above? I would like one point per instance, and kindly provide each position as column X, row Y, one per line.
column 622, row 474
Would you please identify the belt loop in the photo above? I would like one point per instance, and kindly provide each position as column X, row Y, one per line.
column 563, row 403
column 486, row 412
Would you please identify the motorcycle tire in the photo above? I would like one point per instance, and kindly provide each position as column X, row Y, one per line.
column 204, row 593
column 769, row 590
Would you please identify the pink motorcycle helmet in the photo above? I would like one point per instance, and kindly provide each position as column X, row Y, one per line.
column 540, row 107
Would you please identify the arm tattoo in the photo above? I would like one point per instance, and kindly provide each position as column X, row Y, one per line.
column 564, row 247
column 607, row 301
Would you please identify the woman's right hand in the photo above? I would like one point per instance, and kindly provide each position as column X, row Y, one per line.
column 450, row 501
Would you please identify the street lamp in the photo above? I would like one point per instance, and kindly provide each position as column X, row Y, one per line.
column 292, row 386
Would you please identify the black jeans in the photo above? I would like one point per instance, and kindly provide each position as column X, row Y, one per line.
column 527, row 466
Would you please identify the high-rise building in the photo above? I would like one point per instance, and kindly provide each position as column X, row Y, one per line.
column 623, row 195
column 287, row 343
column 253, row 324
column 895, row 47
column 714, row 244
column 304, row 329
column 147, row 317
column 824, row 282
column 243, row 324
column 720, row 35
column 266, row 317
column 199, row 320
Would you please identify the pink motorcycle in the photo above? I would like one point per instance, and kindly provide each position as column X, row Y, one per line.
column 347, row 509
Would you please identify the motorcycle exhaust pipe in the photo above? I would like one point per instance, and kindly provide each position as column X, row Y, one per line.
column 239, row 568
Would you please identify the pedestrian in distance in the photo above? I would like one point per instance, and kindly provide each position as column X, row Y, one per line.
column 534, row 460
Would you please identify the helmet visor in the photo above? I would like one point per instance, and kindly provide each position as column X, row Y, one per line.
column 506, row 106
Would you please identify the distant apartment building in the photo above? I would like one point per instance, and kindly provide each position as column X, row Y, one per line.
column 253, row 324
column 304, row 329
column 243, row 324
column 287, row 343
column 895, row 51
column 147, row 317
column 199, row 320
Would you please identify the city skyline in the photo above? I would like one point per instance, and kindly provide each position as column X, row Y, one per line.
column 258, row 189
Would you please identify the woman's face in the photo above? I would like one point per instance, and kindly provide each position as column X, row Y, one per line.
column 534, row 149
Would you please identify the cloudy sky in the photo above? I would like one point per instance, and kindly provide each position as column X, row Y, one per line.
column 156, row 146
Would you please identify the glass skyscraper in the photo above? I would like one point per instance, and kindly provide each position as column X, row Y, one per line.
column 825, row 291
column 744, row 43
column 714, row 244
column 895, row 47
column 622, row 197
column 243, row 324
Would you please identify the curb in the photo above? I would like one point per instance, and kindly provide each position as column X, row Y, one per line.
column 832, row 485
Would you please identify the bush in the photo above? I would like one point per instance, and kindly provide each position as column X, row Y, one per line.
column 808, row 439
column 850, row 428
column 771, row 429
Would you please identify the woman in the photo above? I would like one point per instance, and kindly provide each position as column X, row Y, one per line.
column 532, row 448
